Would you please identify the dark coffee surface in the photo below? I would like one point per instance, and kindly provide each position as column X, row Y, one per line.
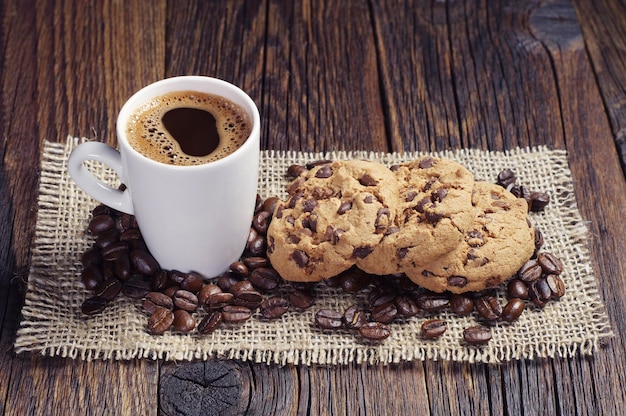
column 194, row 129
column 188, row 128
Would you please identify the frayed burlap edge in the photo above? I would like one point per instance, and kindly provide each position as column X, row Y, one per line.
column 53, row 324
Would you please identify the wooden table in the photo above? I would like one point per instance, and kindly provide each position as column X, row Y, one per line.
column 373, row 75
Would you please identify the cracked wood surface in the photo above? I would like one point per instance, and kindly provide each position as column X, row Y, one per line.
column 326, row 75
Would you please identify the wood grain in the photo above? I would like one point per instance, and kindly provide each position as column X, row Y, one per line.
column 602, row 23
column 373, row 75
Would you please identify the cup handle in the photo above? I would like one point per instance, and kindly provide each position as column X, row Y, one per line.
column 101, row 152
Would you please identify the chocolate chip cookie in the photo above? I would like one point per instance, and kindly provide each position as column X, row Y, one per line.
column 434, row 208
column 498, row 241
column 336, row 214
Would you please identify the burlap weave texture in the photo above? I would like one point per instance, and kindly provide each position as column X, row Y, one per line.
column 53, row 324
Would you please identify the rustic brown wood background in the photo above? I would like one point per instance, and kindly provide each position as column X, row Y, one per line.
column 375, row 75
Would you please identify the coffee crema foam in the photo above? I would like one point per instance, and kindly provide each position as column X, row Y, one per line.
column 148, row 135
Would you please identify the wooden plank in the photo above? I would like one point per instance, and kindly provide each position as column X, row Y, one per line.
column 322, row 59
column 593, row 159
column 603, row 24
column 73, row 87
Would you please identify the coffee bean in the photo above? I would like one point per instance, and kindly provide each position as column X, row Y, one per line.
column 240, row 268
column 539, row 200
column 234, row 314
column 159, row 281
column 136, row 287
column 102, row 209
column 269, row 205
column 121, row 266
column 516, row 288
column 477, row 335
column 258, row 204
column 107, row 237
column 101, row 223
column 384, row 313
column 227, row 280
column 130, row 235
column 539, row 292
column 374, row 331
column 176, row 276
column 183, row 321
column 506, row 177
column 530, row 271
column 192, row 282
column 380, row 295
column 550, row 263
column 301, row 299
column 488, row 307
column 143, row 262
column 257, row 246
column 353, row 280
column 114, row 249
column 248, row 298
column 274, row 307
column 93, row 305
column 556, row 285
column 206, row 291
column 265, row 279
column 432, row 302
column 252, row 235
column 128, row 222
column 538, row 239
column 513, row 309
column 296, row 170
column 240, row 286
column 407, row 308
column 91, row 276
column 108, row 289
column 261, row 221
column 434, row 328
column 186, row 300
column 256, row 262
column 210, row 322
column 170, row 290
column 218, row 300
column 154, row 300
column 354, row 318
column 91, row 257
column 108, row 270
column 160, row 321
column 461, row 304
column 328, row 319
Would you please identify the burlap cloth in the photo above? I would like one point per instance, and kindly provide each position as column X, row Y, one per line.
column 54, row 325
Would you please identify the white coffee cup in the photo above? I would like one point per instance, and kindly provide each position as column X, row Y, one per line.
column 192, row 218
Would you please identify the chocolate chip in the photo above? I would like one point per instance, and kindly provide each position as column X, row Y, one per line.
column 457, row 281
column 300, row 257
column 367, row 180
column 362, row 252
column 324, row 172
column 427, row 162
column 309, row 205
column 439, row 195
column 344, row 207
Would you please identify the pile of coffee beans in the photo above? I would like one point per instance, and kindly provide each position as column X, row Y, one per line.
column 119, row 263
